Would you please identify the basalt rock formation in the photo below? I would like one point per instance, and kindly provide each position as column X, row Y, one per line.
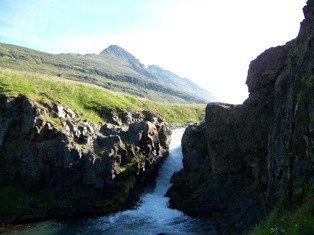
column 54, row 164
column 245, row 159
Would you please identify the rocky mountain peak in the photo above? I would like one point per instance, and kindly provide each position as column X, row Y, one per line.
column 123, row 55
column 119, row 52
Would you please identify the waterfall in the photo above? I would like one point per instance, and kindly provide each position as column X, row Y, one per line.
column 151, row 216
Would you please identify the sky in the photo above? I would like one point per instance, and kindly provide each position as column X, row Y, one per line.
column 210, row 42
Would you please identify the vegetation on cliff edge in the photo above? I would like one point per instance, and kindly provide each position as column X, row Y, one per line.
column 90, row 101
column 296, row 220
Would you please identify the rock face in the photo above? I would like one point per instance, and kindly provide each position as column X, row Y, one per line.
column 54, row 164
column 247, row 158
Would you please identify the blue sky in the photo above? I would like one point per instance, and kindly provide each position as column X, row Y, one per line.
column 33, row 23
column 210, row 42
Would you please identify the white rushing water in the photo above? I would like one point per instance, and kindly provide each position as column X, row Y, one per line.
column 151, row 216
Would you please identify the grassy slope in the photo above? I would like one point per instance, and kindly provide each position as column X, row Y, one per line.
column 90, row 101
column 109, row 72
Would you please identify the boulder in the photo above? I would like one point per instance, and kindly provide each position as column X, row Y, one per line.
column 30, row 111
column 61, row 112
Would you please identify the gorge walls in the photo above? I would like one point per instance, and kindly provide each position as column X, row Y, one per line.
column 245, row 159
column 54, row 164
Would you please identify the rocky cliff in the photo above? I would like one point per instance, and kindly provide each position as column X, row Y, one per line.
column 245, row 159
column 54, row 164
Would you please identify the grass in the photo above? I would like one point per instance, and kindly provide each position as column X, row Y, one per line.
column 89, row 101
column 107, row 71
column 92, row 103
column 296, row 221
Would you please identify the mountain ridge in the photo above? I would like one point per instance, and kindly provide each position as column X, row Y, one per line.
column 177, row 81
column 156, row 72
column 114, row 69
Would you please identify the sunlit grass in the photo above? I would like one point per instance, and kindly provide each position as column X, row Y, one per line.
column 90, row 101
column 109, row 72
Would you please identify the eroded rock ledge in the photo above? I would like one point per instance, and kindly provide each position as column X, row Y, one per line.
column 54, row 164
column 245, row 159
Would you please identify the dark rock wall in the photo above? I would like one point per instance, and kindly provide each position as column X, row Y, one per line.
column 291, row 143
column 85, row 167
column 247, row 158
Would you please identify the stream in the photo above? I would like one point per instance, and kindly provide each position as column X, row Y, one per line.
column 151, row 216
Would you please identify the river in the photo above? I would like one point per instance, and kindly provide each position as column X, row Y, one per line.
column 151, row 216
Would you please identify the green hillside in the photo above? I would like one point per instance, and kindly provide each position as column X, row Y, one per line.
column 114, row 69
column 89, row 101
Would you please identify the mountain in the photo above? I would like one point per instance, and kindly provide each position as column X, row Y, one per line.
column 174, row 80
column 158, row 74
column 114, row 69
column 118, row 52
